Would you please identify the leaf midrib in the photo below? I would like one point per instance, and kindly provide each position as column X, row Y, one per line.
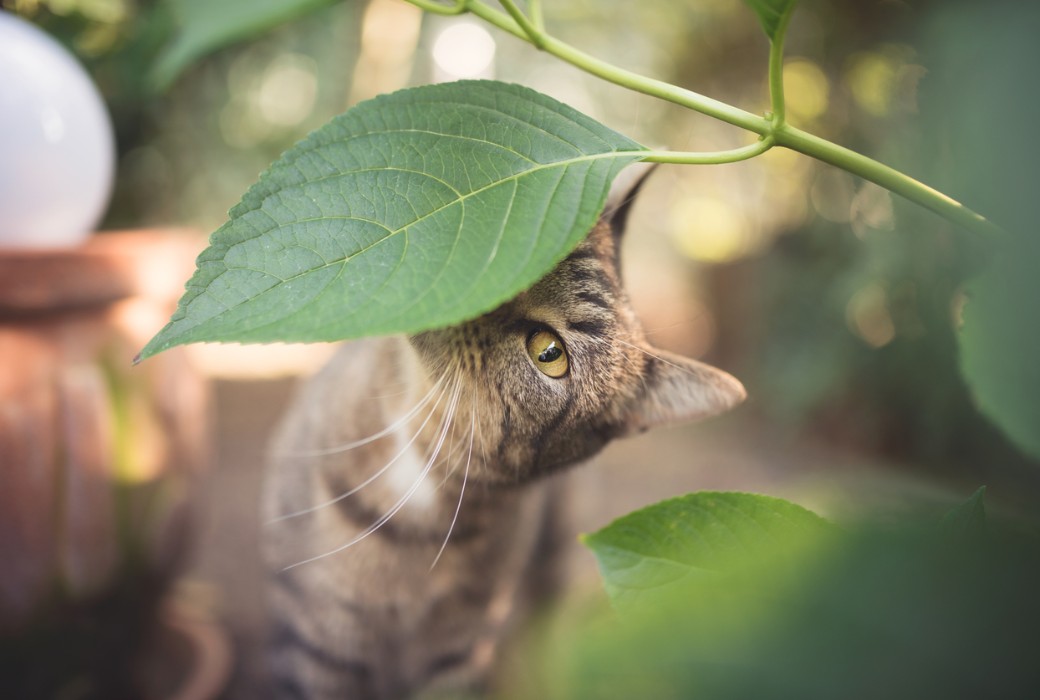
column 461, row 200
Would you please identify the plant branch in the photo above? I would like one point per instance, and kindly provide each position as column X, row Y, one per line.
column 531, row 32
column 626, row 78
column 534, row 8
column 774, row 130
column 887, row 177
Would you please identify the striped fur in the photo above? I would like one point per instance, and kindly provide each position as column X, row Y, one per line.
column 409, row 516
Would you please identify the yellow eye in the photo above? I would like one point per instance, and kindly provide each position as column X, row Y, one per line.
column 546, row 351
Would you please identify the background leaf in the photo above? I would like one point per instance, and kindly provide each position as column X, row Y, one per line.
column 668, row 545
column 411, row 211
column 206, row 25
column 989, row 158
column 770, row 13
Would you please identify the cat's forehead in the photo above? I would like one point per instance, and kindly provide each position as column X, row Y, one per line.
column 594, row 260
column 601, row 244
column 584, row 284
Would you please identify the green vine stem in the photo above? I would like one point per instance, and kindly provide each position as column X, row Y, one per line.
column 776, row 72
column 773, row 130
column 534, row 8
column 433, row 7
column 531, row 33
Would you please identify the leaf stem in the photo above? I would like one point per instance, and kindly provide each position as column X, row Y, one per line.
column 734, row 155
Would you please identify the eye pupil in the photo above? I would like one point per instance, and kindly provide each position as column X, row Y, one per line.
column 548, row 354
column 551, row 353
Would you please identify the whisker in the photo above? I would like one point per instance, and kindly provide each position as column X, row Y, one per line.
column 686, row 321
column 382, row 470
column 462, row 491
column 324, row 452
column 657, row 357
column 405, row 498
column 483, row 452
column 450, row 459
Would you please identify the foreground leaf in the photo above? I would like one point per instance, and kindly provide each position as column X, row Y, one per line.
column 872, row 611
column 668, row 545
column 771, row 14
column 411, row 211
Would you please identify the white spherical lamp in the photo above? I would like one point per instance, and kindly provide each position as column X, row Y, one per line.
column 57, row 151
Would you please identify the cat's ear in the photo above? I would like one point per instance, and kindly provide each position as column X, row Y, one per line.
column 623, row 193
column 677, row 389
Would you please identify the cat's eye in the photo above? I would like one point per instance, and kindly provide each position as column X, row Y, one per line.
column 548, row 354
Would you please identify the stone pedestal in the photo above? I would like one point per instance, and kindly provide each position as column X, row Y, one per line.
column 96, row 455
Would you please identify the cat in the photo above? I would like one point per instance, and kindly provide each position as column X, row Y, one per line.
column 409, row 519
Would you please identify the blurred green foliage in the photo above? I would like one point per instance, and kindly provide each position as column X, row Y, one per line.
column 939, row 609
column 203, row 25
column 847, row 326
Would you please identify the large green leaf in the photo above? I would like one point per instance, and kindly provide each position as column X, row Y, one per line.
column 411, row 211
column 206, row 25
column 666, row 546
column 1000, row 342
column 771, row 14
column 989, row 158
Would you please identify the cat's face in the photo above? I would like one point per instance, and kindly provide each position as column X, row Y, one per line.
column 547, row 379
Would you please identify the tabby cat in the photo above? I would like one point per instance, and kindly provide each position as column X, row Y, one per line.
column 408, row 514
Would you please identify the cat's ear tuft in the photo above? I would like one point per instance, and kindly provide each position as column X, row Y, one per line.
column 677, row 389
column 623, row 193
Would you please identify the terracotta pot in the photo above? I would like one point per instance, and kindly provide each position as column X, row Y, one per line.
column 96, row 456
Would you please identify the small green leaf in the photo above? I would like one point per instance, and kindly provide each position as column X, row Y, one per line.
column 207, row 25
column 411, row 211
column 771, row 14
column 668, row 545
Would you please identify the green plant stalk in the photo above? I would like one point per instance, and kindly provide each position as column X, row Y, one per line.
column 781, row 134
column 531, row 32
column 776, row 72
column 534, row 8
column 887, row 177
column 625, row 78
column 434, row 7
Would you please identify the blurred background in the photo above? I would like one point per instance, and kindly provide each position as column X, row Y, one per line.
column 834, row 302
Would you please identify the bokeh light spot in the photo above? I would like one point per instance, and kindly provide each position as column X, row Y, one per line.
column 709, row 229
column 288, row 89
column 806, row 88
column 868, row 316
column 464, row 50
